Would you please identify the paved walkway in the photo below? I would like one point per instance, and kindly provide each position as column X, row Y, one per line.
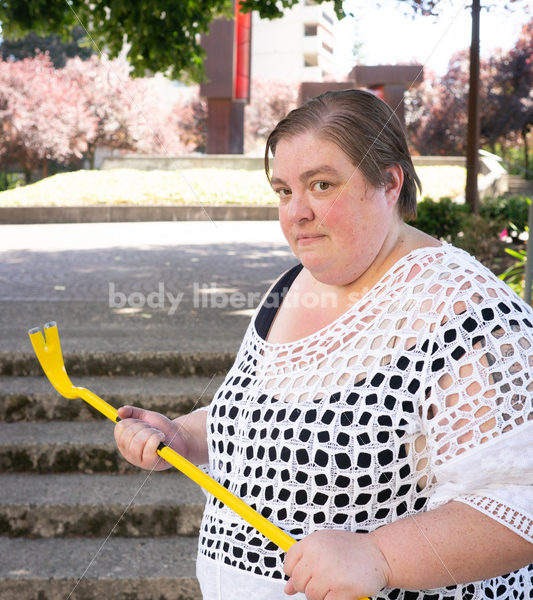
column 115, row 287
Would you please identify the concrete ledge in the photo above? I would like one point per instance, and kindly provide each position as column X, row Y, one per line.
column 201, row 364
column 439, row 161
column 230, row 161
column 172, row 163
column 117, row 214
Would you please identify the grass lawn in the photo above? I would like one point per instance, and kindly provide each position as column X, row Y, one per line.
column 189, row 186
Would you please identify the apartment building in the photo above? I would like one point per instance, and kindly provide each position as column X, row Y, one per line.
column 299, row 46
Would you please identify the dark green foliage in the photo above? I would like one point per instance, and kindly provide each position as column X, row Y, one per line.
column 442, row 218
column 8, row 181
column 480, row 237
column 163, row 34
column 268, row 9
column 446, row 220
column 512, row 211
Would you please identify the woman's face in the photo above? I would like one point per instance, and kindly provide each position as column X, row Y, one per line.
column 336, row 223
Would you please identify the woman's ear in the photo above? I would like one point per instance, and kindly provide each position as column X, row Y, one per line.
column 394, row 182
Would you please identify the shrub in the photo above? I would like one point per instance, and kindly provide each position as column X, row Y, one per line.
column 481, row 237
column 9, row 181
column 477, row 234
column 512, row 211
column 442, row 219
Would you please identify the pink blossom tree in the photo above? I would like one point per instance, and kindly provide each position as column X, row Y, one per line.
column 270, row 101
column 163, row 124
column 190, row 115
column 105, row 87
column 133, row 114
column 42, row 117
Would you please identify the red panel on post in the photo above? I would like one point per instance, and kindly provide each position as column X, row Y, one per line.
column 241, row 80
column 377, row 90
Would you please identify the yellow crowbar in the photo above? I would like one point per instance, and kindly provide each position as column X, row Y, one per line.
column 48, row 351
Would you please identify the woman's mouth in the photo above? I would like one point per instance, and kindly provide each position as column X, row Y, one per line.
column 304, row 239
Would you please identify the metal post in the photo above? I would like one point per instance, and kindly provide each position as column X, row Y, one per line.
column 529, row 258
column 472, row 146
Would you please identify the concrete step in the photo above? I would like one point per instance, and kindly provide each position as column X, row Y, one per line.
column 137, row 505
column 33, row 398
column 185, row 364
column 519, row 185
column 60, row 447
column 114, row 569
column 524, row 188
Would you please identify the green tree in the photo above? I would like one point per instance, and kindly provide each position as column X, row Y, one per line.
column 162, row 35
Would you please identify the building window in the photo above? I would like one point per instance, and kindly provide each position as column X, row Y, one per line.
column 327, row 18
column 310, row 60
column 327, row 48
column 310, row 29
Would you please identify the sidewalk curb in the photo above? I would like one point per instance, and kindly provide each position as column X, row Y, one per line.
column 183, row 364
column 19, row 215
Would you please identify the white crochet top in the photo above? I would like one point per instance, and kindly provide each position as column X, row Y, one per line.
column 420, row 393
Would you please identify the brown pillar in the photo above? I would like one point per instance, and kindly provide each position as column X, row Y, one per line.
column 393, row 96
column 225, row 126
column 227, row 88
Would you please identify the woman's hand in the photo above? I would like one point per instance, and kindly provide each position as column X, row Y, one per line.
column 139, row 433
column 336, row 565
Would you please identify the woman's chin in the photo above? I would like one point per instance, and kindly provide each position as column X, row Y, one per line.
column 326, row 273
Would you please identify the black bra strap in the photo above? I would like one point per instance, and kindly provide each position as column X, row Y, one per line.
column 273, row 301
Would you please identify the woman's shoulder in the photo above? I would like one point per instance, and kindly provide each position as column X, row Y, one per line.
column 450, row 263
column 449, row 275
column 459, row 283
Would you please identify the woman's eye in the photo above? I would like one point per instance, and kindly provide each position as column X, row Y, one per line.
column 283, row 192
column 322, row 186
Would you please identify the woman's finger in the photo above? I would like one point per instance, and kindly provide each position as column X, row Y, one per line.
column 149, row 450
column 132, row 412
column 289, row 588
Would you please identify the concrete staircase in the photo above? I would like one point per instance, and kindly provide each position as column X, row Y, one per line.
column 517, row 185
column 76, row 520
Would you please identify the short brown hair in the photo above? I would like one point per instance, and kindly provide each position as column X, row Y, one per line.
column 364, row 128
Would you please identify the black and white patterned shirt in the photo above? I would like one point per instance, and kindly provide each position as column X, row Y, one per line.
column 420, row 393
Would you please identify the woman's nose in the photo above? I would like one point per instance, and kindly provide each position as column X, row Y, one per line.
column 299, row 208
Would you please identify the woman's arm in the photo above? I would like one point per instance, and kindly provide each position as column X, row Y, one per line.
column 193, row 429
column 451, row 544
